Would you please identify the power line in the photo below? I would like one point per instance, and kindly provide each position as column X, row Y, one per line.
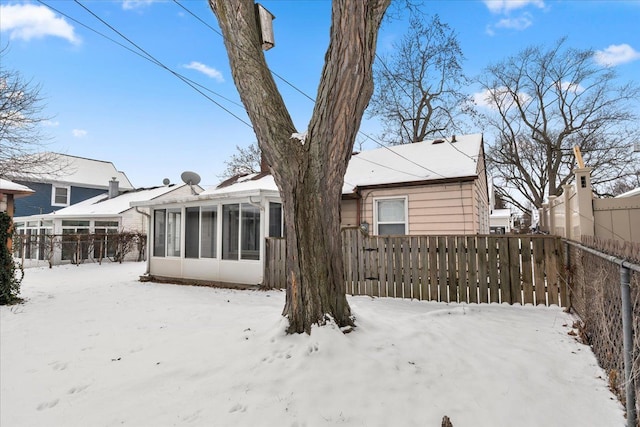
column 196, row 86
column 146, row 56
column 309, row 97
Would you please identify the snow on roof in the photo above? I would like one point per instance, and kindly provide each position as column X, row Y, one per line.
column 247, row 183
column 630, row 193
column 501, row 213
column 78, row 171
column 102, row 205
column 10, row 187
column 421, row 161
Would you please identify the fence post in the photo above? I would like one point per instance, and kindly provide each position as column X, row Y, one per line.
column 627, row 329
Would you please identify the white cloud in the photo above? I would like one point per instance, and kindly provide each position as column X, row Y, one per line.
column 28, row 21
column 79, row 133
column 136, row 4
column 520, row 23
column 505, row 6
column 208, row 71
column 616, row 54
column 491, row 98
column 572, row 87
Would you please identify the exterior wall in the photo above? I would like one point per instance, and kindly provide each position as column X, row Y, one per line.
column 39, row 203
column 78, row 194
column 246, row 272
column 482, row 206
column 432, row 209
column 617, row 219
column 349, row 213
column 576, row 213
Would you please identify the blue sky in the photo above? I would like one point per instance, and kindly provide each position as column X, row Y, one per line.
column 108, row 103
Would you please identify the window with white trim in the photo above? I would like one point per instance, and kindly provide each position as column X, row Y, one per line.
column 60, row 195
column 390, row 216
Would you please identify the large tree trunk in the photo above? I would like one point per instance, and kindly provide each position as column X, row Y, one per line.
column 309, row 170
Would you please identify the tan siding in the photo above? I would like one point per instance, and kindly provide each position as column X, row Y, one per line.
column 481, row 201
column 349, row 213
column 433, row 209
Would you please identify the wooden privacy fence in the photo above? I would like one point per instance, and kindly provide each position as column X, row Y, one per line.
column 473, row 269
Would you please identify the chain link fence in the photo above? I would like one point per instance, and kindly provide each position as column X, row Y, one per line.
column 595, row 295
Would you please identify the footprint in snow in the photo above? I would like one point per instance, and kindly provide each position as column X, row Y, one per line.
column 58, row 366
column 47, row 405
column 238, row 407
column 77, row 389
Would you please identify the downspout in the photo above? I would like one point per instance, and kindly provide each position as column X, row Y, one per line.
column 148, row 260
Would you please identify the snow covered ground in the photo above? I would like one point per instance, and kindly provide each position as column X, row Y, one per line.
column 92, row 346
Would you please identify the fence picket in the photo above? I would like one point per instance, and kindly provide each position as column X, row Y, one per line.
column 433, row 268
column 415, row 264
column 483, row 265
column 551, row 270
column 527, row 277
column 424, row 268
column 472, row 255
column 539, row 284
column 442, row 268
column 515, row 281
column 452, row 269
column 463, row 294
column 492, row 255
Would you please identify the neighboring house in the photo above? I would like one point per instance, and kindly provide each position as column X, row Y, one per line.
column 9, row 191
column 500, row 220
column 66, row 181
column 431, row 187
column 101, row 215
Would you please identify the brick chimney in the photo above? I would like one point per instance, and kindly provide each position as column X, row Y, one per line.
column 114, row 188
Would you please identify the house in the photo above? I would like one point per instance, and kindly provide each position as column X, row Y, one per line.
column 102, row 215
column 9, row 191
column 431, row 187
column 500, row 220
column 64, row 181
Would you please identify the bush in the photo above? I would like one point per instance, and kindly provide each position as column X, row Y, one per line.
column 9, row 282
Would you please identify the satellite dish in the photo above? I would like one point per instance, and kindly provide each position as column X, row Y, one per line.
column 166, row 181
column 191, row 179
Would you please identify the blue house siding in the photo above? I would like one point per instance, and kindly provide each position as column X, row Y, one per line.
column 79, row 194
column 40, row 201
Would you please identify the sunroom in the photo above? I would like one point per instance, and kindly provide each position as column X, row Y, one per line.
column 216, row 236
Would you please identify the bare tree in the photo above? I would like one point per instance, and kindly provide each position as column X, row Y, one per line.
column 245, row 161
column 418, row 87
column 308, row 166
column 542, row 102
column 22, row 141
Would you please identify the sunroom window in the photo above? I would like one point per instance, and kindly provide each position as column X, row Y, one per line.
column 209, row 232
column 240, row 232
column 159, row 232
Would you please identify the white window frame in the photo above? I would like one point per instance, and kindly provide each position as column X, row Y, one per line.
column 376, row 223
column 53, row 195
